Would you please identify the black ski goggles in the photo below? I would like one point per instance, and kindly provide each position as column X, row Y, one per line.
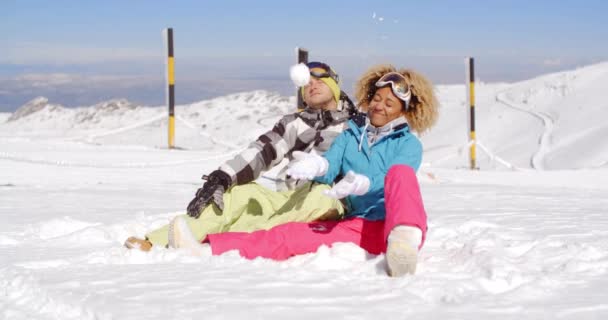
column 322, row 70
column 399, row 85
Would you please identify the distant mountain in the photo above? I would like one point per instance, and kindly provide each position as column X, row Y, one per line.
column 556, row 121
column 33, row 106
column 238, row 118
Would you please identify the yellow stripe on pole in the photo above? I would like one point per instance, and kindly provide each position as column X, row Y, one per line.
column 472, row 150
column 171, row 131
column 171, row 70
column 472, row 93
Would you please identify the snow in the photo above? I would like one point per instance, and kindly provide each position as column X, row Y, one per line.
column 524, row 236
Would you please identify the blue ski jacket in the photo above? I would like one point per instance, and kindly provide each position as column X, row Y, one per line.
column 351, row 151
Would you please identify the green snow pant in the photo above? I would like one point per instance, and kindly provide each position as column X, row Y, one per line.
column 252, row 207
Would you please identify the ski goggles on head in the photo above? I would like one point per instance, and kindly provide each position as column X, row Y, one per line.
column 322, row 70
column 399, row 86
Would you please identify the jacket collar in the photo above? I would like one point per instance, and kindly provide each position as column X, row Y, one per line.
column 323, row 118
column 360, row 126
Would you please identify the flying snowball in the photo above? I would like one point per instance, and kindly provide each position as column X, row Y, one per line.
column 300, row 74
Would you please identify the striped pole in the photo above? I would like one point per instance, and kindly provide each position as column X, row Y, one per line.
column 301, row 57
column 471, row 94
column 170, row 77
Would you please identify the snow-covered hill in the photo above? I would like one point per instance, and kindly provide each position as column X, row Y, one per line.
column 121, row 122
column 550, row 122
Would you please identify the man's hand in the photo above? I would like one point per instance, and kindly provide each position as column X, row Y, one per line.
column 352, row 183
column 211, row 192
column 306, row 165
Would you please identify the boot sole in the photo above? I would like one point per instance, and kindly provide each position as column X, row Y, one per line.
column 401, row 259
column 174, row 237
column 180, row 236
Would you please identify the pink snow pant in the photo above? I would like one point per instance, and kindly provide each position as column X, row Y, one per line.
column 403, row 207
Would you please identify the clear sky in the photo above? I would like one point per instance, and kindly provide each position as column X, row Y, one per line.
column 82, row 52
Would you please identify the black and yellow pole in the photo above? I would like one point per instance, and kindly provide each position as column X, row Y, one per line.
column 170, row 86
column 472, row 138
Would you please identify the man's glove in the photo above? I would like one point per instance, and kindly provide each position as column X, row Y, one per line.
column 211, row 192
column 352, row 183
column 306, row 165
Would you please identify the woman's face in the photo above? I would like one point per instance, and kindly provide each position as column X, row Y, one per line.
column 384, row 107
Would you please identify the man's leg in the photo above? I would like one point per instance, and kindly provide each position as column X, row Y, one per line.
column 253, row 207
column 304, row 204
column 212, row 220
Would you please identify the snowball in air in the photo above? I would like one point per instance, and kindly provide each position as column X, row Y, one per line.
column 300, row 74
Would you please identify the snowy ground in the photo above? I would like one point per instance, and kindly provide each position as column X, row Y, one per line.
column 518, row 238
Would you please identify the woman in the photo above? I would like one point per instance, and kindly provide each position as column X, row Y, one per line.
column 376, row 159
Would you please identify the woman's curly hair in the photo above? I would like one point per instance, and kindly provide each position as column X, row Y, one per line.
column 423, row 111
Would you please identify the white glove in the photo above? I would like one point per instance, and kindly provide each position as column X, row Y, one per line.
column 300, row 74
column 353, row 183
column 307, row 165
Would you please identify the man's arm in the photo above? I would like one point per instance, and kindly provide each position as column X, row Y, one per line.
column 264, row 153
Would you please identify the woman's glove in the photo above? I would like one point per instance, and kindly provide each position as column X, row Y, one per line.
column 352, row 183
column 306, row 166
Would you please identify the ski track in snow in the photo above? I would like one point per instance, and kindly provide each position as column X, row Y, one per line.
column 235, row 149
column 544, row 143
column 263, row 121
column 66, row 163
column 212, row 138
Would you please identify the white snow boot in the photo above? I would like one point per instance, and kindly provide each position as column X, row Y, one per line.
column 402, row 250
column 180, row 236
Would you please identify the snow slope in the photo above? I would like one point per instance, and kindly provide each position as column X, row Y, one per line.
column 524, row 237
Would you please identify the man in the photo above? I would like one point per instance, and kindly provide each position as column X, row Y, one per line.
column 229, row 200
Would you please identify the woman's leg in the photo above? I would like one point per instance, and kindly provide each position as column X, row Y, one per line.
column 405, row 226
column 295, row 238
column 403, row 201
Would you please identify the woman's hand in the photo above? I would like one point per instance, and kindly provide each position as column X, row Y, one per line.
column 352, row 183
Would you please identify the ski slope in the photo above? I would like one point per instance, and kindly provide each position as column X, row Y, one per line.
column 526, row 236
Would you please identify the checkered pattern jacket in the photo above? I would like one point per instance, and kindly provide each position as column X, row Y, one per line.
column 309, row 131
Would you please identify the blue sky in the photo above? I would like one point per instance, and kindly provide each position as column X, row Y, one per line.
column 82, row 52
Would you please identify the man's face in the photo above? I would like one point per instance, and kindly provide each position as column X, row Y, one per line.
column 318, row 95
